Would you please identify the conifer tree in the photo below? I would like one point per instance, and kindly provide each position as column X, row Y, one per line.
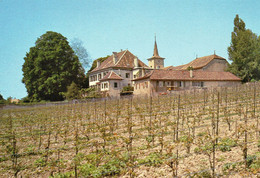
column 244, row 52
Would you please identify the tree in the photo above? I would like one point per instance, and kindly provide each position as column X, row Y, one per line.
column 94, row 64
column 2, row 100
column 49, row 67
column 244, row 52
column 1, row 97
column 81, row 52
column 72, row 92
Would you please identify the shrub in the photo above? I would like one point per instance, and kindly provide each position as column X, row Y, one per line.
column 72, row 92
column 225, row 144
column 65, row 175
column 250, row 160
column 128, row 88
column 153, row 159
column 226, row 168
column 40, row 162
column 91, row 169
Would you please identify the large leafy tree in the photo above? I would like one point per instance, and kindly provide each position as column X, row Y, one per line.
column 50, row 67
column 244, row 52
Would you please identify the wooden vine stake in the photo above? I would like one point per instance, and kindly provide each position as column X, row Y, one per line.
column 177, row 138
column 217, row 129
column 254, row 115
column 213, row 138
column 245, row 140
column 76, row 142
column 130, row 130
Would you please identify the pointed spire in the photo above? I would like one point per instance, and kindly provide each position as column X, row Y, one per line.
column 155, row 51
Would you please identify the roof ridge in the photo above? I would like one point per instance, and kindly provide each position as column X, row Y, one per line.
column 117, row 74
column 110, row 74
column 121, row 57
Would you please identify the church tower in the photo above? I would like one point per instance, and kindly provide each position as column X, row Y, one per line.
column 156, row 62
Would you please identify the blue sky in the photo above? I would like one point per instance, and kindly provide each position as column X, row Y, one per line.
column 184, row 29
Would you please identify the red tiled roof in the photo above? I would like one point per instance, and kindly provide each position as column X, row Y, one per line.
column 184, row 75
column 145, row 76
column 169, row 68
column 198, row 63
column 111, row 76
column 125, row 60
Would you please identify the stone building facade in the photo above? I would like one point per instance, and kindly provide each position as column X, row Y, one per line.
column 168, row 81
column 116, row 72
column 125, row 69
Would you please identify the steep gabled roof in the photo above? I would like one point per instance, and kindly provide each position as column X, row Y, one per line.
column 111, row 76
column 125, row 59
column 198, row 63
column 184, row 75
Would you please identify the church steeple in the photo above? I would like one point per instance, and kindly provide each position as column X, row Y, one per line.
column 156, row 62
column 155, row 51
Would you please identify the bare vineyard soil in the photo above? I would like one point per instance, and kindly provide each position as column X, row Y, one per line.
column 198, row 133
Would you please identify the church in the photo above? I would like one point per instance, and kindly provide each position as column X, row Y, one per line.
column 123, row 69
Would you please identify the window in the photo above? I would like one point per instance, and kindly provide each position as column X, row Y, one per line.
column 99, row 76
column 115, row 84
column 158, row 67
column 127, row 75
column 197, row 84
column 105, row 85
column 134, row 76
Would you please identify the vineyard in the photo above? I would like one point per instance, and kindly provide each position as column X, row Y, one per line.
column 197, row 133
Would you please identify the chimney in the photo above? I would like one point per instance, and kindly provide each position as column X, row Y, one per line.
column 98, row 63
column 191, row 73
column 143, row 72
column 114, row 57
column 135, row 62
